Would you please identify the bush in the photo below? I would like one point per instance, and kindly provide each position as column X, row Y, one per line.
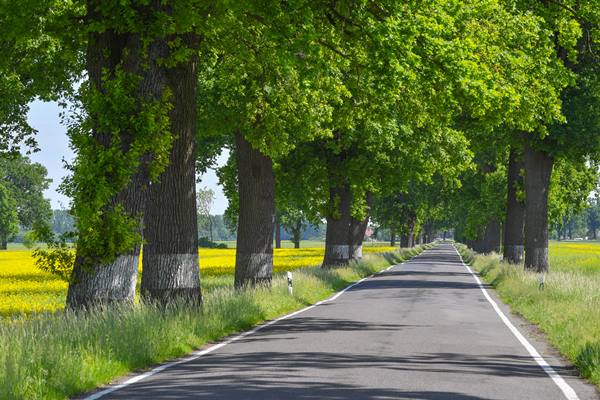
column 207, row 243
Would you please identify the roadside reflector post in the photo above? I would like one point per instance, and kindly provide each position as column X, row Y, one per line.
column 542, row 281
column 290, row 288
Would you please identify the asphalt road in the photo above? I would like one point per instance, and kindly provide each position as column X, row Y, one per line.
column 422, row 330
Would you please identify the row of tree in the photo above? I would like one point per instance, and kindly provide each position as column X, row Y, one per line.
column 339, row 110
column 22, row 203
column 583, row 224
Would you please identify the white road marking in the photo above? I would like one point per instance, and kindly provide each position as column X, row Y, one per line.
column 558, row 380
column 197, row 354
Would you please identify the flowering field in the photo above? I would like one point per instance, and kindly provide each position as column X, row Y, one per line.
column 580, row 257
column 25, row 289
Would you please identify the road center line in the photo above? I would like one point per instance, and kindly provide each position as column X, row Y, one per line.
column 558, row 380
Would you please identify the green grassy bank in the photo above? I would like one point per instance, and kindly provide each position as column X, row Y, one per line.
column 567, row 310
column 65, row 354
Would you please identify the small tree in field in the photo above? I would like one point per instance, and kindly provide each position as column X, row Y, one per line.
column 206, row 198
column 294, row 221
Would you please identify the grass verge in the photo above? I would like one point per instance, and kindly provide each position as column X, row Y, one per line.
column 62, row 355
column 567, row 310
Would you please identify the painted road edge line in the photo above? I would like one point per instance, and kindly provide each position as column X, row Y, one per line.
column 199, row 353
column 555, row 376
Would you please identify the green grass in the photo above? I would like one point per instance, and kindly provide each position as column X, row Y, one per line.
column 54, row 357
column 567, row 311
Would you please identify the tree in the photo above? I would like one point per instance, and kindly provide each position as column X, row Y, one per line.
column 135, row 103
column 570, row 186
column 397, row 212
column 206, row 197
column 62, row 222
column 9, row 221
column 263, row 91
column 37, row 64
column 26, row 183
column 294, row 222
column 170, row 263
column 514, row 222
column 593, row 217
column 574, row 26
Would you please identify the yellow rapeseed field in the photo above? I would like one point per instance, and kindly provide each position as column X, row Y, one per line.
column 580, row 257
column 26, row 290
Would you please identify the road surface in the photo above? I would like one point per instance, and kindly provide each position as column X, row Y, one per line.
column 422, row 330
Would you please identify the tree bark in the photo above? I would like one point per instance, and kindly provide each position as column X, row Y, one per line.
column 358, row 228
column 277, row 232
column 256, row 180
column 488, row 239
column 570, row 230
column 108, row 50
column 538, row 171
column 429, row 232
column 493, row 236
column 404, row 240
column 392, row 239
column 515, row 212
column 297, row 234
column 337, row 251
column 412, row 221
column 3, row 244
column 170, row 263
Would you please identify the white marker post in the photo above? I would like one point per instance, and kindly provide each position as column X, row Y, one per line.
column 290, row 289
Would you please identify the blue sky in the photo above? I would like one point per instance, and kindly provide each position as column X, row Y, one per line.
column 54, row 148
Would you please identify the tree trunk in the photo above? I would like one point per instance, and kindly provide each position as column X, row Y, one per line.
column 297, row 235
column 488, row 239
column 570, row 230
column 254, row 252
column 404, row 240
column 356, row 237
column 3, row 244
column 515, row 212
column 412, row 221
column 428, row 232
column 337, row 251
column 393, row 239
column 210, row 225
column 170, row 262
column 493, row 236
column 108, row 51
column 538, row 171
column 277, row 232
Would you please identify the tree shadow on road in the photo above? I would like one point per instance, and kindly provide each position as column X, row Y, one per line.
column 311, row 375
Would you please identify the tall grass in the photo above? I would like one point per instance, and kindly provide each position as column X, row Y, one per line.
column 65, row 354
column 567, row 309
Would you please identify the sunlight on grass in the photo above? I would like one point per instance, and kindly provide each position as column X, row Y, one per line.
column 567, row 310
column 58, row 356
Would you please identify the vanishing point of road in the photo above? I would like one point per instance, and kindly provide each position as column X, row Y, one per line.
column 423, row 329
